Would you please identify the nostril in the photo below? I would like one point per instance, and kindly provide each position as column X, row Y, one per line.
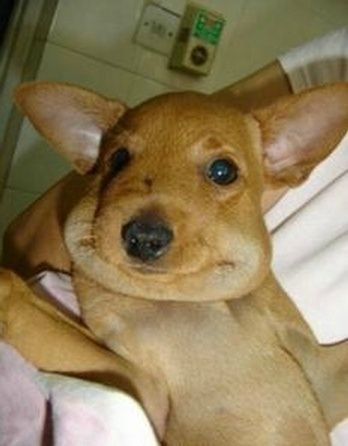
column 146, row 240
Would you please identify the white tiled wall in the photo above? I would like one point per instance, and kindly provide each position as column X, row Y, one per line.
column 90, row 43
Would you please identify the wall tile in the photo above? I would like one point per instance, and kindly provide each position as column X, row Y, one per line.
column 266, row 30
column 143, row 89
column 35, row 166
column 64, row 65
column 332, row 11
column 103, row 29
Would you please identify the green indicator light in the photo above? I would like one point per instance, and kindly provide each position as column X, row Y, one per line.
column 207, row 28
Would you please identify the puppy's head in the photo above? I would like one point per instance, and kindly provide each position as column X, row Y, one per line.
column 174, row 212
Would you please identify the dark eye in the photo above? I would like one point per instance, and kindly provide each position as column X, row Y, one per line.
column 119, row 160
column 223, row 172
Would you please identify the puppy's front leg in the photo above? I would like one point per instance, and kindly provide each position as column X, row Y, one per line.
column 326, row 367
column 54, row 343
column 334, row 385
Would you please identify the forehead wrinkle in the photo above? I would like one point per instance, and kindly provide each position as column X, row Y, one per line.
column 178, row 119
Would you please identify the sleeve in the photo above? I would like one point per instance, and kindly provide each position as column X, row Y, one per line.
column 318, row 62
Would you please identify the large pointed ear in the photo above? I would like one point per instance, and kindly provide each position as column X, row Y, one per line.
column 299, row 131
column 72, row 119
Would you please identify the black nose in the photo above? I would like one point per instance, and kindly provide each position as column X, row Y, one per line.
column 146, row 240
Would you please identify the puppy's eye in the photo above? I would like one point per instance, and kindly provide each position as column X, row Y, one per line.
column 223, row 171
column 119, row 160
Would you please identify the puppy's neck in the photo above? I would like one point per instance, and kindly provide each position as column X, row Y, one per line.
column 119, row 317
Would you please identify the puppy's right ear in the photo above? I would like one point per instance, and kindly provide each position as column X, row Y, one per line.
column 301, row 130
column 71, row 118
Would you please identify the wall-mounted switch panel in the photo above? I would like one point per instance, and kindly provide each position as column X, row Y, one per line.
column 197, row 40
column 157, row 28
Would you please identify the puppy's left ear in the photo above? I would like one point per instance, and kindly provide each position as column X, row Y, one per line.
column 299, row 131
column 71, row 118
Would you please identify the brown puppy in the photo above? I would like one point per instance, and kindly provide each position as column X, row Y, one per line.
column 172, row 259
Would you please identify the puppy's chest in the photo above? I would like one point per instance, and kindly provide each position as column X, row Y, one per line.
column 190, row 344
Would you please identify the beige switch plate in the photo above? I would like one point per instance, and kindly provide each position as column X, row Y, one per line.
column 197, row 40
column 157, row 28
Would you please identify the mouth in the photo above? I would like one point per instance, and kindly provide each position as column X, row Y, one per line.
column 219, row 281
column 173, row 277
column 142, row 269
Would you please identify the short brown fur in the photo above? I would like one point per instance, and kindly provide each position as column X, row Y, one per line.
column 215, row 349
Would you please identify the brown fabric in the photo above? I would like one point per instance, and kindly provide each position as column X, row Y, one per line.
column 34, row 240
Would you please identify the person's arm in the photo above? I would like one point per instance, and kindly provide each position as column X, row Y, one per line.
column 259, row 89
column 318, row 62
column 34, row 240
